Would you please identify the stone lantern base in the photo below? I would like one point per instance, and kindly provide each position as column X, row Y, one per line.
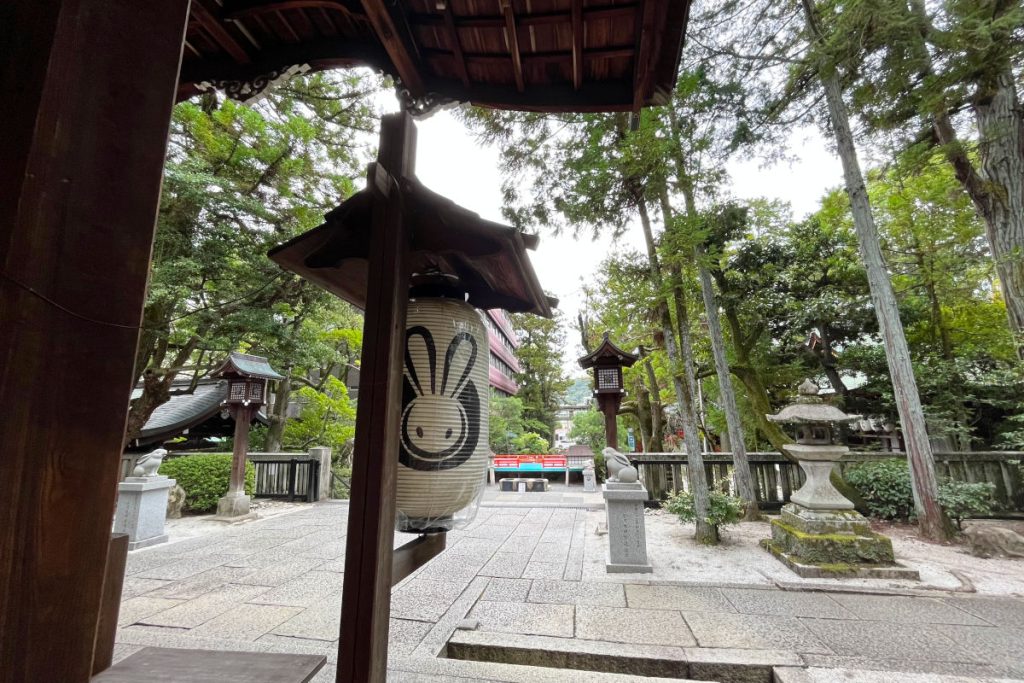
column 832, row 543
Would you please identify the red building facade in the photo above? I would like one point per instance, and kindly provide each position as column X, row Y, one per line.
column 502, row 345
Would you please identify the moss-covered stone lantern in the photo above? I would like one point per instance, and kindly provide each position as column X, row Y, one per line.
column 819, row 532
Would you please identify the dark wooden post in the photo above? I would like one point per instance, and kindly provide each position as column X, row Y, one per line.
column 366, row 596
column 87, row 91
column 243, row 419
column 609, row 404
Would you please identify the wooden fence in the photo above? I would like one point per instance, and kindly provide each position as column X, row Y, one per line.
column 775, row 477
column 291, row 476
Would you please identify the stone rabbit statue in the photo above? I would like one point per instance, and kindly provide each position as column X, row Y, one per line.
column 147, row 465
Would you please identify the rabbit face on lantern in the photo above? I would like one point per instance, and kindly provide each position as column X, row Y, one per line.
column 442, row 457
column 437, row 433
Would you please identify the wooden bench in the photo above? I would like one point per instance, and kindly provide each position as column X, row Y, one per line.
column 169, row 665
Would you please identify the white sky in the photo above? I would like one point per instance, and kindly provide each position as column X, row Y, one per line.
column 450, row 162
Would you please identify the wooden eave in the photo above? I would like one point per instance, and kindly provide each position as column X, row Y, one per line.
column 488, row 259
column 545, row 55
column 608, row 354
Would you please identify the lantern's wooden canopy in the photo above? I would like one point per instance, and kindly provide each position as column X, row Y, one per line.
column 246, row 365
column 608, row 354
column 488, row 259
column 546, row 55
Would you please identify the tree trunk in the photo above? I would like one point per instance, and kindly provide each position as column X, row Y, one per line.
column 734, row 426
column 998, row 190
column 932, row 521
column 657, row 430
column 706, row 533
column 1001, row 129
column 278, row 415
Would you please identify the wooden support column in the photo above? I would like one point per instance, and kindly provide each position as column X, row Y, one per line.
column 609, row 405
column 87, row 91
column 366, row 597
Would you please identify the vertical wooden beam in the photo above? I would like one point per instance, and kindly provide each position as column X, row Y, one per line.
column 577, row 43
column 87, row 90
column 512, row 31
column 643, row 65
column 366, row 596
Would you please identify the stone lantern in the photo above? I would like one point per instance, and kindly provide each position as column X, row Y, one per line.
column 819, row 533
column 247, row 378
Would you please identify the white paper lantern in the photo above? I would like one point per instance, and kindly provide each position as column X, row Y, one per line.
column 443, row 448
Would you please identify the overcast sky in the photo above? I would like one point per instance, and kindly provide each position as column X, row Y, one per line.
column 450, row 162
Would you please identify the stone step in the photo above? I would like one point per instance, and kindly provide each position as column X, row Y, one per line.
column 668, row 662
column 831, row 675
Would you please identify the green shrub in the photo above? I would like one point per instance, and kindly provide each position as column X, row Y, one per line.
column 885, row 487
column 600, row 467
column 961, row 499
column 724, row 509
column 341, row 482
column 205, row 478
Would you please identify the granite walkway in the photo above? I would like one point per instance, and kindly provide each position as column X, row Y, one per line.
column 521, row 576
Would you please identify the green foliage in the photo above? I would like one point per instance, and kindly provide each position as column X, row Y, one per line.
column 961, row 499
column 723, row 509
column 543, row 381
column 531, row 442
column 588, row 429
column 506, row 423
column 341, row 482
column 238, row 180
column 600, row 467
column 885, row 487
column 205, row 478
column 328, row 418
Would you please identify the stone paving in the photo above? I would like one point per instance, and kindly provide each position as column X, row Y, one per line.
column 527, row 577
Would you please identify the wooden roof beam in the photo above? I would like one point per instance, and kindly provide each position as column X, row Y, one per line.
column 512, row 35
column 239, row 10
column 553, row 56
column 218, row 33
column 623, row 11
column 391, row 38
column 642, row 66
column 453, row 39
column 577, row 43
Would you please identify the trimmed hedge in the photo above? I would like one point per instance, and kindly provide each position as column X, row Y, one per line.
column 205, row 478
column 885, row 487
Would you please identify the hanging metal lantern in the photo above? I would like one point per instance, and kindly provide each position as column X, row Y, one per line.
column 443, row 449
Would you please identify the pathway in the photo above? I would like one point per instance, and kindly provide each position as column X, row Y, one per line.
column 530, row 578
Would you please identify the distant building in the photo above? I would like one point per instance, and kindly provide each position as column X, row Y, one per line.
column 502, row 357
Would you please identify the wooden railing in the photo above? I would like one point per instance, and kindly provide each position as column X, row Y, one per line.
column 286, row 475
column 291, row 476
column 775, row 477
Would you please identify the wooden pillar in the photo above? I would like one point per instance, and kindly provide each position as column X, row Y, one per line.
column 87, row 91
column 243, row 419
column 366, row 596
column 609, row 405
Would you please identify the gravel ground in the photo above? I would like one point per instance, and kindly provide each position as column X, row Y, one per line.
column 675, row 556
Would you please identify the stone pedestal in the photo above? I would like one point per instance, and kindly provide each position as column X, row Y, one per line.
column 233, row 504
column 142, row 509
column 589, row 479
column 627, row 536
column 817, row 462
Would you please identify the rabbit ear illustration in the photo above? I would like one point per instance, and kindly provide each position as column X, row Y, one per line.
column 419, row 345
column 458, row 362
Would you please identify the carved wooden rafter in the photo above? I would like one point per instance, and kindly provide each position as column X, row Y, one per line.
column 453, row 39
column 577, row 43
column 386, row 28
